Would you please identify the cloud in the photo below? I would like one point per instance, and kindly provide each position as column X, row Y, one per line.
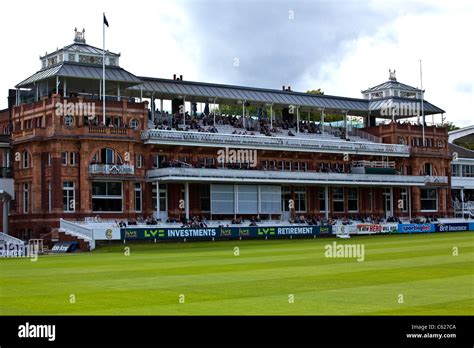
column 269, row 44
column 438, row 36
column 339, row 46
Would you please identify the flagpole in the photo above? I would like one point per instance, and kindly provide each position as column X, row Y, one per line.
column 103, row 70
column 422, row 107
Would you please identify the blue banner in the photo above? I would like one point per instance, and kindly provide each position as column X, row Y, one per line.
column 415, row 228
column 452, row 227
column 222, row 232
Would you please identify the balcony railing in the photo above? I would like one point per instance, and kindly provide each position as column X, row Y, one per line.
column 107, row 130
column 112, row 169
column 263, row 142
column 235, row 175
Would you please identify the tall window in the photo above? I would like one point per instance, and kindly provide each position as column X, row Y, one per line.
column 139, row 160
column 285, row 198
column 49, row 196
column 107, row 156
column 338, row 199
column 72, row 159
column 163, row 195
column 64, row 158
column 455, row 169
column 49, row 159
column 352, row 199
column 205, row 197
column 69, row 200
column 404, row 199
column 322, row 199
column 429, row 200
column 428, row 169
column 26, row 197
column 26, row 159
column 138, row 196
column 134, row 123
column 371, row 199
column 300, row 198
column 158, row 161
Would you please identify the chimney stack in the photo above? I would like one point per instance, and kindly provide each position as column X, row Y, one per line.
column 174, row 76
column 181, row 77
column 282, row 88
column 289, row 88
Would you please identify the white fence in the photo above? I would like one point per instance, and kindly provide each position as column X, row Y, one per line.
column 81, row 231
column 292, row 144
column 111, row 169
column 231, row 175
column 10, row 240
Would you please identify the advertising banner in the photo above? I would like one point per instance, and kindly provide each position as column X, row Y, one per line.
column 416, row 228
column 65, row 247
column 222, row 232
column 452, row 227
column 169, row 233
column 107, row 233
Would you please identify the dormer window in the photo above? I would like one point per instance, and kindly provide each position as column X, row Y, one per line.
column 52, row 60
column 112, row 61
column 377, row 95
column 71, row 57
column 43, row 63
column 90, row 59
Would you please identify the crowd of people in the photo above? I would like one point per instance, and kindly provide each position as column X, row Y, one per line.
column 249, row 126
column 200, row 221
column 345, row 220
column 140, row 220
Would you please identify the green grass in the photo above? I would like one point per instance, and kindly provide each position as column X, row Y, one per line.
column 420, row 267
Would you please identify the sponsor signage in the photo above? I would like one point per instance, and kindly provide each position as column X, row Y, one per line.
column 107, row 233
column 369, row 228
column 452, row 227
column 222, row 232
column 415, row 228
column 169, row 233
column 65, row 247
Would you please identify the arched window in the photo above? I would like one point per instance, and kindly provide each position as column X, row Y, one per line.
column 107, row 156
column 69, row 120
column 134, row 123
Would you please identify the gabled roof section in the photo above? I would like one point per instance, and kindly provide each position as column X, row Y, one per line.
column 428, row 108
column 391, row 84
column 461, row 151
column 85, row 48
column 80, row 71
column 205, row 91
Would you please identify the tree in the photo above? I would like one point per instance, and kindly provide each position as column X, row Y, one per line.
column 451, row 126
column 318, row 91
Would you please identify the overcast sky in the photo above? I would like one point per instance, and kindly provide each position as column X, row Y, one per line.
column 341, row 47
